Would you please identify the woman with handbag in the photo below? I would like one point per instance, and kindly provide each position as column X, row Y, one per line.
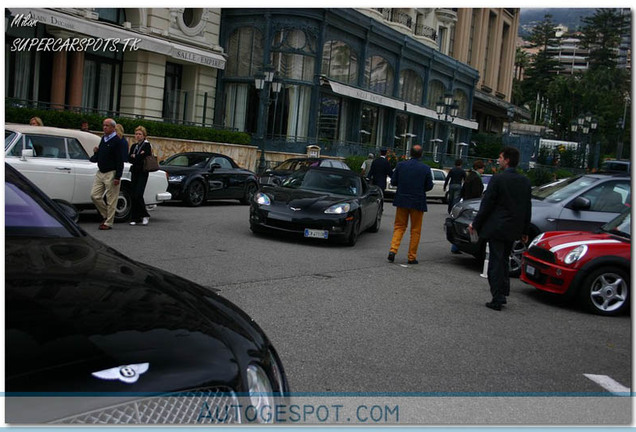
column 139, row 176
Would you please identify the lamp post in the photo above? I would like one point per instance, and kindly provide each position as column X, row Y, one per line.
column 621, row 125
column 263, row 82
column 584, row 126
column 447, row 109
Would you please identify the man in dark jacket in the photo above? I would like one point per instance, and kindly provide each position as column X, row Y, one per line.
column 454, row 180
column 503, row 217
column 413, row 179
column 380, row 170
column 109, row 156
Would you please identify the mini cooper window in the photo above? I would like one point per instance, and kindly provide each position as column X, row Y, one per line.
column 610, row 197
column 621, row 225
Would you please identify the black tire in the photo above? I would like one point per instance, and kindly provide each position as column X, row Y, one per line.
column 68, row 209
column 355, row 232
column 195, row 193
column 378, row 220
column 124, row 203
column 250, row 190
column 605, row 291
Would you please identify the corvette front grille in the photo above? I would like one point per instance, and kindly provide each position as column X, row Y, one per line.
column 205, row 406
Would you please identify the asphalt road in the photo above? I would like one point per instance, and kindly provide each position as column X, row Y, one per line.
column 346, row 321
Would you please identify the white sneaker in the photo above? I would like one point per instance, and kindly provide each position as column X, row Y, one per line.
column 133, row 223
column 145, row 220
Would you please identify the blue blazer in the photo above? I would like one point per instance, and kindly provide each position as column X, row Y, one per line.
column 413, row 179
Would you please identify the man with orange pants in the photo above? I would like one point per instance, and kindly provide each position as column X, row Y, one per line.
column 413, row 179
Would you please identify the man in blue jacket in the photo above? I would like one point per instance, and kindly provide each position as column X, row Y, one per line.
column 109, row 155
column 413, row 179
column 503, row 217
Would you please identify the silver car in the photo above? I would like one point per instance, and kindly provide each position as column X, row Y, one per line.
column 582, row 203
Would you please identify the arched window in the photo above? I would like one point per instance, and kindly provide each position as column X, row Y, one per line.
column 411, row 86
column 378, row 75
column 436, row 91
column 244, row 52
column 339, row 62
column 462, row 100
column 293, row 54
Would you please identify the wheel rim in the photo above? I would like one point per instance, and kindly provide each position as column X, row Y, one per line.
column 608, row 292
column 123, row 205
column 518, row 248
column 196, row 193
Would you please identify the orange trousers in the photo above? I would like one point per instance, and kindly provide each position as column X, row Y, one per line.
column 402, row 216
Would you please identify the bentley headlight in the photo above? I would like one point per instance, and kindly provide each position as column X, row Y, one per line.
column 535, row 240
column 261, row 396
column 342, row 208
column 469, row 214
column 262, row 199
column 176, row 178
column 575, row 254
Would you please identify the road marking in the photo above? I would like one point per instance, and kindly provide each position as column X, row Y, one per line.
column 608, row 383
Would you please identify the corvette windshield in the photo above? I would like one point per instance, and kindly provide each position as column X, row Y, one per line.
column 324, row 181
column 187, row 160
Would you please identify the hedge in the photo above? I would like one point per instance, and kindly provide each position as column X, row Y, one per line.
column 72, row 120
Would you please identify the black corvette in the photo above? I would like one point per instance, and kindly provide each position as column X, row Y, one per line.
column 195, row 177
column 95, row 337
column 323, row 203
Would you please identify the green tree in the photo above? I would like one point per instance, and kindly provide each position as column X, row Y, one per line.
column 602, row 34
column 542, row 71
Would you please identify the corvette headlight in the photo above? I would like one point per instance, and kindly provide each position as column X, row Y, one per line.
column 535, row 240
column 262, row 199
column 176, row 178
column 342, row 208
column 575, row 254
column 260, row 394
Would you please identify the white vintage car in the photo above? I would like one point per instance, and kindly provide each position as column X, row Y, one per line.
column 57, row 161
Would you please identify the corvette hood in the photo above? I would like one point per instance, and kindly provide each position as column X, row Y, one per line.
column 303, row 199
column 75, row 307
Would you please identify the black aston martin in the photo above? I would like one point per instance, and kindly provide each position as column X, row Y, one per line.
column 195, row 177
column 323, row 203
column 93, row 336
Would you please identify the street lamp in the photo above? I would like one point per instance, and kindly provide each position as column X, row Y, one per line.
column 447, row 109
column 621, row 125
column 264, row 81
column 584, row 126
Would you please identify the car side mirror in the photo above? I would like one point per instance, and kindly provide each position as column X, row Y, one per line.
column 26, row 153
column 215, row 166
column 581, row 203
column 68, row 209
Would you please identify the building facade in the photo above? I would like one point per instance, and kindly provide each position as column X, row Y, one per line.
column 346, row 80
column 156, row 63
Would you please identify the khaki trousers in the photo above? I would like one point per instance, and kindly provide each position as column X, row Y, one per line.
column 103, row 186
column 402, row 216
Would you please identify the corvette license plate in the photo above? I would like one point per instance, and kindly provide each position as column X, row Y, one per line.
column 314, row 233
column 530, row 270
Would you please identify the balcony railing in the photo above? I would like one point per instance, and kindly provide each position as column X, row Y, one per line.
column 402, row 18
column 426, row 31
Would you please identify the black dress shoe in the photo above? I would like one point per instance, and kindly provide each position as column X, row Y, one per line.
column 412, row 262
column 391, row 256
column 494, row 306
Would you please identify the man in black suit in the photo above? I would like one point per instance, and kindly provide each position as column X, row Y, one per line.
column 503, row 217
column 380, row 170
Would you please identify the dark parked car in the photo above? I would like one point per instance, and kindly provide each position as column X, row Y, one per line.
column 583, row 202
column 284, row 169
column 591, row 267
column 84, row 322
column 195, row 177
column 323, row 203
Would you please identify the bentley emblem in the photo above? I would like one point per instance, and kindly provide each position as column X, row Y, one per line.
column 295, row 208
column 127, row 373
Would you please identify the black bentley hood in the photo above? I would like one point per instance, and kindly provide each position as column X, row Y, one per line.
column 83, row 309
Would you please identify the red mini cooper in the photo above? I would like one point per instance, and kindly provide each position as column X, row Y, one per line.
column 594, row 267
